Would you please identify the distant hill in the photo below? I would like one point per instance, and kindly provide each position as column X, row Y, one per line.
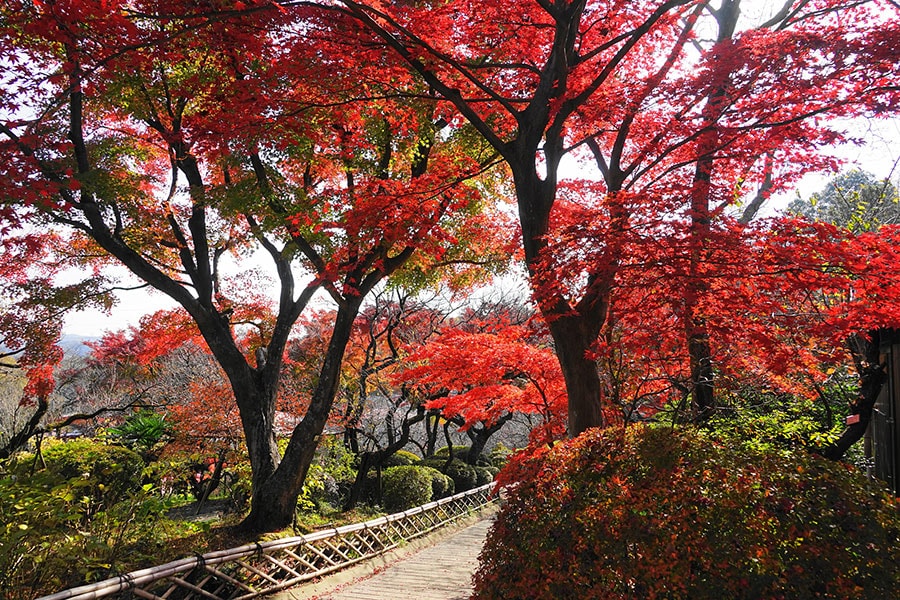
column 76, row 344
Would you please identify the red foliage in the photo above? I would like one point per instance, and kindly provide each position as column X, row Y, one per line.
column 485, row 375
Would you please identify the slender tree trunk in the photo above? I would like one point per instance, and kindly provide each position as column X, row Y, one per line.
column 696, row 330
column 872, row 376
column 28, row 430
column 274, row 500
column 432, row 423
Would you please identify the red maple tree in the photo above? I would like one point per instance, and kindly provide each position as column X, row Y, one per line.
column 169, row 136
column 684, row 108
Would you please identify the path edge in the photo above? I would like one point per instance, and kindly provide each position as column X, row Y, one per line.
column 361, row 571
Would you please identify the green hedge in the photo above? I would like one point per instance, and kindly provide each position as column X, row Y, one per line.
column 651, row 513
column 406, row 487
column 401, row 458
column 464, row 475
column 484, row 475
column 441, row 485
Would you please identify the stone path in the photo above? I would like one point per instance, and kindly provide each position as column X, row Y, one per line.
column 442, row 571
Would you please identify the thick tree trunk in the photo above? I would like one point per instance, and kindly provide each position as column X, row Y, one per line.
column 702, row 374
column 574, row 328
column 479, row 437
column 580, row 374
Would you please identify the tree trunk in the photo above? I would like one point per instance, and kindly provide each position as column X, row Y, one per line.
column 872, row 376
column 580, row 374
column 28, row 430
column 574, row 329
column 479, row 436
column 432, row 423
column 274, row 499
column 702, row 374
column 696, row 330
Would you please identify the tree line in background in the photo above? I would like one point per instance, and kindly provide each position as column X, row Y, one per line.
column 419, row 145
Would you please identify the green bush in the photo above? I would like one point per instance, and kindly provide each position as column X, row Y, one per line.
column 499, row 455
column 53, row 537
column 771, row 422
column 110, row 471
column 434, row 463
column 484, row 475
column 459, row 452
column 651, row 513
column 406, row 487
column 463, row 475
column 402, row 458
column 441, row 485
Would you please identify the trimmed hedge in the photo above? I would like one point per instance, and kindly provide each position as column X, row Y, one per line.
column 405, row 487
column 484, row 475
column 652, row 513
column 458, row 451
column 463, row 475
column 441, row 485
column 401, row 458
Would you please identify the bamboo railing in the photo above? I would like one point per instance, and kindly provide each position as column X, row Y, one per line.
column 267, row 567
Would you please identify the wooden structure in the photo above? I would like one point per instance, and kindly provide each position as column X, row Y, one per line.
column 886, row 415
column 263, row 568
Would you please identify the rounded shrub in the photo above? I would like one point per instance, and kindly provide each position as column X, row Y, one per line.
column 652, row 513
column 484, row 475
column 401, row 458
column 458, row 451
column 499, row 455
column 434, row 463
column 405, row 487
column 441, row 485
column 463, row 475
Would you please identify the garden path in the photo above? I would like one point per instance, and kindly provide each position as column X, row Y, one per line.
column 423, row 571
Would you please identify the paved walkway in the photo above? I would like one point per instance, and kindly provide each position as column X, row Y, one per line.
column 441, row 571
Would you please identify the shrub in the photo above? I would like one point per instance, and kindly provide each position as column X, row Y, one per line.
column 434, row 463
column 458, row 452
column 484, row 475
column 441, row 485
column 144, row 432
column 463, row 475
column 405, row 487
column 499, row 455
column 314, row 489
column 651, row 513
column 111, row 471
column 773, row 423
column 401, row 458
column 52, row 537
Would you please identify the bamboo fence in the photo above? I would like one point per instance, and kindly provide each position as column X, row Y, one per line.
column 267, row 567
